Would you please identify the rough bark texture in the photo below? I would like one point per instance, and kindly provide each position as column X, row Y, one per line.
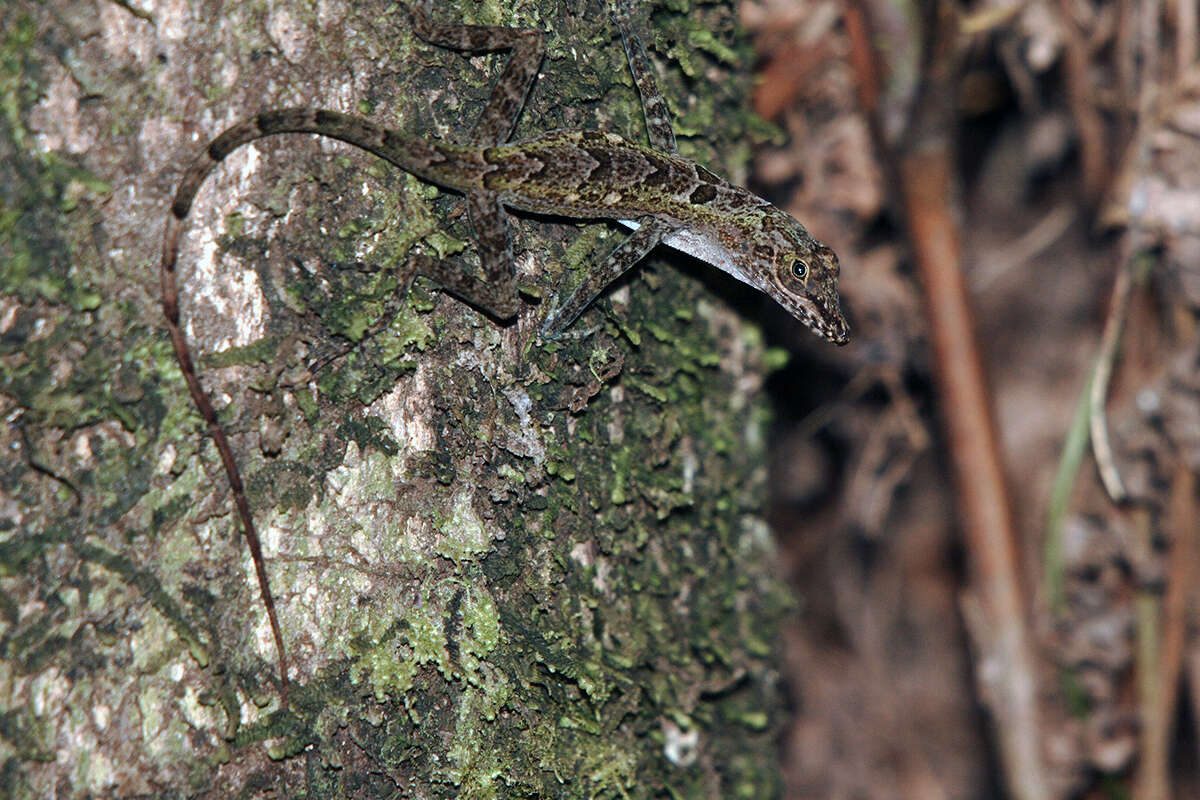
column 504, row 568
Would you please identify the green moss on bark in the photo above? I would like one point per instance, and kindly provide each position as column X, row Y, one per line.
column 505, row 568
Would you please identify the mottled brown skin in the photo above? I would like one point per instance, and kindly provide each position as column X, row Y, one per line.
column 569, row 173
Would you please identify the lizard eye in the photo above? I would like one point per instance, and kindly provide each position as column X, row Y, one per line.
column 799, row 270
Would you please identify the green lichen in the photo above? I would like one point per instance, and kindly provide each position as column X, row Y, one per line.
column 509, row 610
column 463, row 533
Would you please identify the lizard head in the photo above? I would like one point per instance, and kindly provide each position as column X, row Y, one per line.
column 800, row 273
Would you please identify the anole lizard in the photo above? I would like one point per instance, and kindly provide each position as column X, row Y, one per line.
column 581, row 174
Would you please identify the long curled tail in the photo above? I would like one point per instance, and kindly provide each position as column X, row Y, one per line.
column 356, row 131
column 183, row 354
column 439, row 162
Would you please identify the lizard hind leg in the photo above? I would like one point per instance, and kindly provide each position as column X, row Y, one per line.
column 659, row 129
column 496, row 292
column 495, row 125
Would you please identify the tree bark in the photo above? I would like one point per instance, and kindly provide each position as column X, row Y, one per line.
column 504, row 567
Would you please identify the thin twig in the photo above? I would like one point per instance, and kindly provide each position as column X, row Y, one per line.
column 1080, row 97
column 1151, row 781
column 1110, row 476
column 1169, row 617
column 1185, row 37
column 1128, row 274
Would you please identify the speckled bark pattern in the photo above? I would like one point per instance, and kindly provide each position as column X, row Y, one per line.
column 503, row 570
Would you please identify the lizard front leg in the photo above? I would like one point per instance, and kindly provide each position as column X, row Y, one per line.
column 623, row 258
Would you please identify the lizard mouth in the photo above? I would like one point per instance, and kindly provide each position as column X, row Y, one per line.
column 837, row 331
column 830, row 322
column 825, row 320
column 841, row 336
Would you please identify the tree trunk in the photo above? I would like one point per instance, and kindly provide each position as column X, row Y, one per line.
column 504, row 567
